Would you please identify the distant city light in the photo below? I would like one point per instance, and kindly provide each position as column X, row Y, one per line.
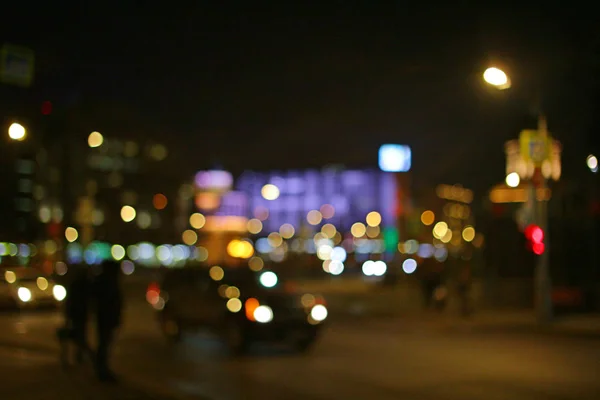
column 197, row 220
column 373, row 218
column 71, row 234
column 428, row 217
column 496, row 77
column 95, row 139
column 159, row 201
column 270, row 192
column 395, row 158
column 128, row 213
column 16, row 131
column 592, row 163
column 513, row 180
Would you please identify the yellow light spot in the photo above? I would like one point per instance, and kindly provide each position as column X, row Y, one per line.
column 314, row 217
column 256, row 264
column 287, row 231
column 254, row 226
column 329, row 230
column 428, row 217
column 10, row 276
column 189, row 237
column 270, row 192
column 275, row 239
column 234, row 305
column 232, row 292
column 128, row 213
column 197, row 220
column 373, row 218
column 358, row 229
column 440, row 229
column 240, row 249
column 117, row 251
column 71, row 234
column 373, row 231
column 216, row 273
column 95, row 139
column 447, row 236
column 468, row 233
column 42, row 283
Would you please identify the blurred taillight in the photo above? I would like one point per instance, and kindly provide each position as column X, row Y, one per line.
column 250, row 306
column 153, row 293
column 320, row 300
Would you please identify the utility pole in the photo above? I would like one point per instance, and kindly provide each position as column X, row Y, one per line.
column 543, row 284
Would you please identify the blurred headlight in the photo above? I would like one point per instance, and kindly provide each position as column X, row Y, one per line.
column 263, row 314
column 24, row 294
column 59, row 292
column 318, row 312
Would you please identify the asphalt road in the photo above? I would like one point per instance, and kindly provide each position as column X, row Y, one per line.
column 367, row 359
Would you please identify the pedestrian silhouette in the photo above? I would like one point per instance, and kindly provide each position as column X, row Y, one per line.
column 76, row 311
column 108, row 307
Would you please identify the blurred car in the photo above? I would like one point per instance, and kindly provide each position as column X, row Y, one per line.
column 239, row 305
column 26, row 287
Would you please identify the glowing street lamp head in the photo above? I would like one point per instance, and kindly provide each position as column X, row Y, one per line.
column 17, row 131
column 513, row 179
column 496, row 77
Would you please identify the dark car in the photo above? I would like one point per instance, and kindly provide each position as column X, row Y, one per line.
column 239, row 305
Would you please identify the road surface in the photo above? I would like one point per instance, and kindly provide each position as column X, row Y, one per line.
column 366, row 359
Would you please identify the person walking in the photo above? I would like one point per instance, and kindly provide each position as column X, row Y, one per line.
column 108, row 309
column 76, row 313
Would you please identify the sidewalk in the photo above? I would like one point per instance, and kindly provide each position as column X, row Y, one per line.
column 30, row 375
column 495, row 321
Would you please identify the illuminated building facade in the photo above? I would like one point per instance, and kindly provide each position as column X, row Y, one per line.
column 342, row 197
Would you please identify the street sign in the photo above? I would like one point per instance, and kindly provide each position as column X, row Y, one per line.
column 534, row 147
column 16, row 65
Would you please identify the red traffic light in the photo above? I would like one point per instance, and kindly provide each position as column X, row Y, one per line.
column 46, row 108
column 538, row 248
column 534, row 233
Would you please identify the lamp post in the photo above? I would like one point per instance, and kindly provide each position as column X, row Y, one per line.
column 17, row 132
column 537, row 148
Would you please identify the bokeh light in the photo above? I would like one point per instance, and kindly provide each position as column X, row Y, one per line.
column 287, row 231
column 254, row 226
column 71, row 234
column 468, row 233
column 95, row 139
column 270, row 192
column 197, row 220
column 314, row 217
column 216, row 273
column 373, row 218
column 189, row 237
column 358, row 229
column 428, row 217
column 159, row 201
column 128, row 213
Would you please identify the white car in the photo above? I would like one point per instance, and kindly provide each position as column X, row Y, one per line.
column 26, row 287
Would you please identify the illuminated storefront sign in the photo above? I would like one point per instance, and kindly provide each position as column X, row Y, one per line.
column 395, row 158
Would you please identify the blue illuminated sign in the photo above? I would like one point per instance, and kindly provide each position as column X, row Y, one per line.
column 394, row 158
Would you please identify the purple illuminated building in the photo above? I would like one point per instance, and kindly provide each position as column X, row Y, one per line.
column 352, row 193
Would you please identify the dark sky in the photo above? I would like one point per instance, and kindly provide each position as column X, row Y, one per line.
column 265, row 86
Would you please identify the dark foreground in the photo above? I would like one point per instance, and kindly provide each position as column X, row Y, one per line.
column 366, row 359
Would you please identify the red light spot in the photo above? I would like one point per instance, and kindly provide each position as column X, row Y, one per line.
column 538, row 248
column 534, row 233
column 46, row 108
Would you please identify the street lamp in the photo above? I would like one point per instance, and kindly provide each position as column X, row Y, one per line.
column 496, row 77
column 17, row 131
column 539, row 149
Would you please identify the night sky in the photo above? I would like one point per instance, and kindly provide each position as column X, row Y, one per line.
column 263, row 86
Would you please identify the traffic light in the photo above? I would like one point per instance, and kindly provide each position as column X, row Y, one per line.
column 46, row 108
column 535, row 238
